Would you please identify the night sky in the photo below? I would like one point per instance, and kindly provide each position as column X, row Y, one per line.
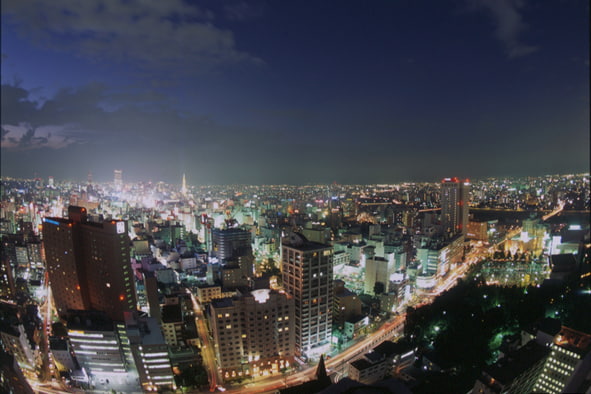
column 294, row 91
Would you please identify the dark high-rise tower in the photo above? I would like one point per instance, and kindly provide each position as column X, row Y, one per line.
column 229, row 243
column 233, row 248
column 89, row 264
column 455, row 195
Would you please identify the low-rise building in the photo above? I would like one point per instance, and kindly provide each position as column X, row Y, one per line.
column 346, row 304
column 370, row 368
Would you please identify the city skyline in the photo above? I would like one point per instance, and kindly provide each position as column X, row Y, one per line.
column 263, row 93
column 139, row 287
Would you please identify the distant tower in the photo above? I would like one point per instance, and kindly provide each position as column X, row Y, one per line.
column 89, row 178
column 118, row 179
column 50, row 182
column 455, row 195
column 184, row 187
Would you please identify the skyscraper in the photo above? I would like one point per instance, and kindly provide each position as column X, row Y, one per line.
column 229, row 243
column 455, row 195
column 89, row 264
column 118, row 179
column 307, row 276
column 233, row 248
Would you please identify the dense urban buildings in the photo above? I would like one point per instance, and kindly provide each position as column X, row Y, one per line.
column 154, row 286
column 262, row 197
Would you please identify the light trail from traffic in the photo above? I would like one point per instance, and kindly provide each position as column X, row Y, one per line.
column 207, row 348
column 388, row 330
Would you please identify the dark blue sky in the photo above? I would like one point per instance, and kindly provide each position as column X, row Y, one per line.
column 294, row 92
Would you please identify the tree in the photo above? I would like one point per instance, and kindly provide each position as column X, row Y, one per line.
column 378, row 288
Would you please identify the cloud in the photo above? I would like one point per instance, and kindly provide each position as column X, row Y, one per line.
column 96, row 128
column 25, row 137
column 153, row 35
column 98, row 117
column 509, row 25
column 241, row 11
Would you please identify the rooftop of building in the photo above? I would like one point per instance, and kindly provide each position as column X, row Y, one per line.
column 172, row 313
column 374, row 357
column 563, row 262
column 299, row 242
column 89, row 321
column 573, row 340
column 549, row 326
column 389, row 348
column 151, row 334
column 222, row 302
column 347, row 385
column 58, row 343
column 229, row 231
column 515, row 363
column 345, row 293
column 361, row 364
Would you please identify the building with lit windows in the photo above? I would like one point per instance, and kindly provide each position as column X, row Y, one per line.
column 7, row 288
column 346, row 304
column 150, row 353
column 89, row 264
column 307, row 274
column 14, row 338
column 254, row 333
column 206, row 293
column 455, row 196
column 517, row 372
column 568, row 350
column 233, row 248
column 12, row 379
column 100, row 345
column 439, row 257
column 228, row 243
column 172, row 324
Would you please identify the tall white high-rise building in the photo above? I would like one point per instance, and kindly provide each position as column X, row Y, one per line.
column 455, row 196
column 307, row 276
column 378, row 269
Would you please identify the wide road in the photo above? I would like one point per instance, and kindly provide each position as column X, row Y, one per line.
column 338, row 363
column 207, row 346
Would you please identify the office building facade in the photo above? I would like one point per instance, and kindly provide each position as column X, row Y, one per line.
column 89, row 264
column 307, row 274
column 254, row 333
column 455, row 196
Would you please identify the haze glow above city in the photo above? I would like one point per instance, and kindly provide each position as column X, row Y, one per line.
column 294, row 92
